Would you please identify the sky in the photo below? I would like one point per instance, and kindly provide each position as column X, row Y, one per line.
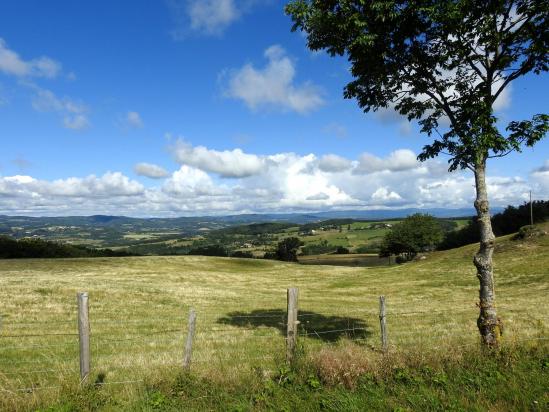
column 209, row 107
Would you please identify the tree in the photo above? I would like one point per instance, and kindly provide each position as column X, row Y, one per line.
column 417, row 233
column 443, row 63
column 286, row 249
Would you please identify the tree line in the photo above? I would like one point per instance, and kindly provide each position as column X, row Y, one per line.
column 504, row 223
column 38, row 248
column 423, row 233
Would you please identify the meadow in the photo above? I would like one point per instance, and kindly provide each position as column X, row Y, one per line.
column 139, row 308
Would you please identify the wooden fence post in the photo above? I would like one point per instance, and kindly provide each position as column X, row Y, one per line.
column 291, row 338
column 84, row 334
column 383, row 324
column 190, row 336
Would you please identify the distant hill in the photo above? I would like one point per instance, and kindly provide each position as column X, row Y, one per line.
column 227, row 220
column 108, row 230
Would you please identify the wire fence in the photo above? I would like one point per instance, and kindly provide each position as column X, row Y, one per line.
column 40, row 354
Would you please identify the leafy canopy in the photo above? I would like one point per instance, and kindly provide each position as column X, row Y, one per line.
column 287, row 249
column 417, row 233
column 441, row 62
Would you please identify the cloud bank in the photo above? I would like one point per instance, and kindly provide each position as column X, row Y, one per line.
column 209, row 181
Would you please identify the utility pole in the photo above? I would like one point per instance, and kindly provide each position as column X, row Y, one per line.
column 531, row 211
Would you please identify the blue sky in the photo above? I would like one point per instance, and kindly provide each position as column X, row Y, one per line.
column 186, row 107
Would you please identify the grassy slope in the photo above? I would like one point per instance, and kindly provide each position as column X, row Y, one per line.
column 133, row 298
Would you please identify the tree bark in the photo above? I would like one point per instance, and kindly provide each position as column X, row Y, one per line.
column 488, row 323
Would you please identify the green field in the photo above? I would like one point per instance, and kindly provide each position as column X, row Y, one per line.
column 139, row 307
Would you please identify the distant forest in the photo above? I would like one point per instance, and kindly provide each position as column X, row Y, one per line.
column 504, row 223
column 38, row 248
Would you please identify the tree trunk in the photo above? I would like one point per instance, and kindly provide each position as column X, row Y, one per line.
column 488, row 322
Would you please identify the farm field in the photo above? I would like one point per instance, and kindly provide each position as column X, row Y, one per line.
column 139, row 307
column 356, row 259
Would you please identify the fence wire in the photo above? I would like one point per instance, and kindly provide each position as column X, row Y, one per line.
column 109, row 336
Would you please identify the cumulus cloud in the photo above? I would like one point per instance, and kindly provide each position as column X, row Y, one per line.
column 384, row 195
column 227, row 163
column 540, row 179
column 334, row 163
column 398, row 160
column 150, row 170
column 73, row 112
column 206, row 17
column 12, row 64
column 284, row 182
column 212, row 16
column 273, row 86
column 191, row 182
column 318, row 196
column 109, row 185
column 543, row 168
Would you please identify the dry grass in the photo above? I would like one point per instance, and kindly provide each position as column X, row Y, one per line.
column 139, row 306
column 343, row 365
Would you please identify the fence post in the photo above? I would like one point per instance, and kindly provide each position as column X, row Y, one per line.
column 84, row 334
column 190, row 337
column 383, row 324
column 291, row 338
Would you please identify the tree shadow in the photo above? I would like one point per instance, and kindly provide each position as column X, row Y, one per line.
column 311, row 324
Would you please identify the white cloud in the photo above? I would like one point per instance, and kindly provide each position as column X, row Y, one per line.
column 212, row 16
column 318, row 196
column 227, row 163
column 273, row 86
column 191, row 182
column 74, row 113
column 11, row 63
column 109, row 185
column 334, row 163
column 284, row 182
column 540, row 180
column 542, row 168
column 384, row 195
column 150, row 170
column 206, row 17
column 133, row 120
column 398, row 160
column 76, row 122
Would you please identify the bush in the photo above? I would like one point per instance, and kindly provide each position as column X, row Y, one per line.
column 372, row 247
column 318, row 248
column 342, row 250
column 417, row 233
column 209, row 250
column 287, row 249
column 242, row 254
column 269, row 255
column 527, row 232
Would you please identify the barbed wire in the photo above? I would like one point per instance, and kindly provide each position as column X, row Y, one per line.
column 40, row 346
column 152, row 333
column 42, row 362
column 28, row 372
column 38, row 335
column 331, row 331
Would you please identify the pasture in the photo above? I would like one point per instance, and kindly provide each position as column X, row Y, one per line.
column 139, row 307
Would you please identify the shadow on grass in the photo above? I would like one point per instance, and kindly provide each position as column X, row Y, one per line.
column 311, row 324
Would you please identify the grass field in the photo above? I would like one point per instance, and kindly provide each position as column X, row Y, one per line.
column 139, row 306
